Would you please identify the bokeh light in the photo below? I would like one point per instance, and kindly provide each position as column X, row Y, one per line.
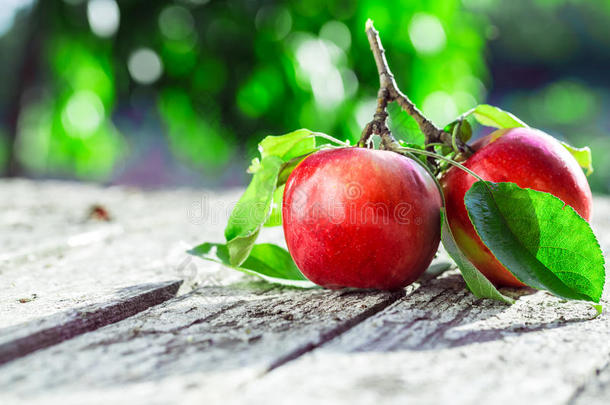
column 92, row 87
column 145, row 66
column 83, row 114
column 176, row 23
column 567, row 102
column 104, row 17
column 337, row 32
column 318, row 59
column 259, row 92
column 427, row 33
column 365, row 110
column 440, row 108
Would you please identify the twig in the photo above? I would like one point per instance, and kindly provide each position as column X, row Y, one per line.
column 388, row 92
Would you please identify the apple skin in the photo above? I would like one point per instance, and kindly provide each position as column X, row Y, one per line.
column 361, row 218
column 527, row 157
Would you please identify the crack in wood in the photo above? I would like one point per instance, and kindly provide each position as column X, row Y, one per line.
column 74, row 323
column 340, row 329
column 437, row 345
column 404, row 328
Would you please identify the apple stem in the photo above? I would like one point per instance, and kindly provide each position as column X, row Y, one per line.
column 437, row 156
column 389, row 92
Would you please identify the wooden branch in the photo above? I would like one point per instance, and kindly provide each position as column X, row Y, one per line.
column 388, row 92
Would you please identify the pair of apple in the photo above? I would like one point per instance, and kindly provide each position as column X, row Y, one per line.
column 365, row 218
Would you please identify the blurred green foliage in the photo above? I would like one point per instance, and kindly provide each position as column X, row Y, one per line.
column 68, row 129
column 208, row 79
column 549, row 67
column 225, row 74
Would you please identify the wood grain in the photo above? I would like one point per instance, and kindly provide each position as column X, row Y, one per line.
column 209, row 341
column 51, row 217
column 23, row 339
column 441, row 345
column 85, row 262
column 226, row 338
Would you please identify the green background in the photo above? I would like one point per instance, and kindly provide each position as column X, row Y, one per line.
column 161, row 93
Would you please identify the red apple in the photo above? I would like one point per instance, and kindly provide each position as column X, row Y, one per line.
column 531, row 159
column 363, row 218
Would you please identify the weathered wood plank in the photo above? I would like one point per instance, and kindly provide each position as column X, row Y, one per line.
column 51, row 217
column 59, row 282
column 82, row 268
column 440, row 345
column 596, row 391
column 62, row 279
column 23, row 339
column 126, row 251
column 46, row 287
column 218, row 343
column 34, row 215
column 209, row 341
column 47, row 281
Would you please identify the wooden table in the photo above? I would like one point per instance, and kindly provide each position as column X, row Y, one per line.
column 95, row 311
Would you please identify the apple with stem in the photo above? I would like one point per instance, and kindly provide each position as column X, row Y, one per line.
column 369, row 216
column 525, row 156
column 364, row 218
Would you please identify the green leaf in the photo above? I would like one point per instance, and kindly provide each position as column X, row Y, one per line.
column 582, row 156
column 279, row 156
column 275, row 219
column 494, row 117
column 252, row 210
column 292, row 148
column 403, row 126
column 255, row 164
column 538, row 238
column 462, row 128
column 286, row 147
column 477, row 283
column 286, row 169
column 265, row 259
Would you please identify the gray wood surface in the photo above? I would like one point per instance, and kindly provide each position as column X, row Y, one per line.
column 130, row 336
column 211, row 341
column 441, row 345
column 22, row 339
